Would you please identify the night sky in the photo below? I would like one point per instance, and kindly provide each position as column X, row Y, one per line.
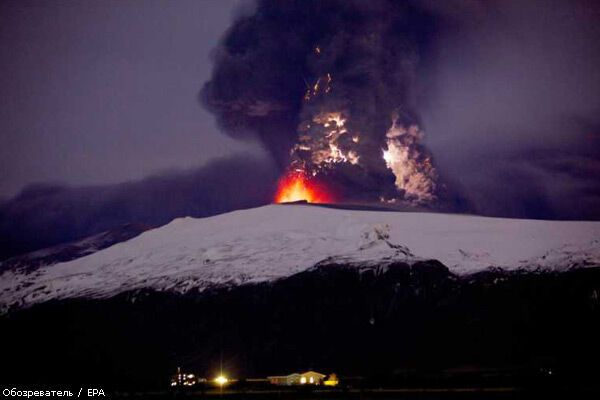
column 104, row 121
column 105, row 92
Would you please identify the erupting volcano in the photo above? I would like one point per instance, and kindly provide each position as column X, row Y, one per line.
column 297, row 186
column 339, row 113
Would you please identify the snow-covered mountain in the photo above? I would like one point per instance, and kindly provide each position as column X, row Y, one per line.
column 72, row 250
column 276, row 241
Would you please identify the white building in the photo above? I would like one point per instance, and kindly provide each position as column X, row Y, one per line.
column 306, row 378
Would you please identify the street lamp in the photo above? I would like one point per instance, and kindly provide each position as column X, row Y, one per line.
column 221, row 380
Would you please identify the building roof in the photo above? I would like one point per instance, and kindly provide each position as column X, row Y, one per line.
column 283, row 376
column 313, row 373
column 295, row 374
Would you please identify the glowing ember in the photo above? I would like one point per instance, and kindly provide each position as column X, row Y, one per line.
column 296, row 186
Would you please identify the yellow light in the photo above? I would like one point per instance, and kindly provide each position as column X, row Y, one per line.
column 332, row 380
column 221, row 380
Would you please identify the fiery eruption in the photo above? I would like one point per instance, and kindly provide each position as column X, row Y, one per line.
column 296, row 186
column 320, row 84
column 323, row 142
column 326, row 142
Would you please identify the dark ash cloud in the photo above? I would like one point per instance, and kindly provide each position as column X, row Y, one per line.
column 508, row 92
column 46, row 215
column 511, row 104
column 281, row 73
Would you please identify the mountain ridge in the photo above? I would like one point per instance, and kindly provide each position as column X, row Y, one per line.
column 272, row 242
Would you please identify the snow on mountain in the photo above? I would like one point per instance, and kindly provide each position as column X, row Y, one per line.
column 276, row 241
column 73, row 250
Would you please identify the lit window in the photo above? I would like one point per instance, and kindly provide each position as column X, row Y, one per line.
column 303, row 380
column 312, row 380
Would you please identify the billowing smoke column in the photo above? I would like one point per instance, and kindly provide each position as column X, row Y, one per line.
column 328, row 87
column 410, row 163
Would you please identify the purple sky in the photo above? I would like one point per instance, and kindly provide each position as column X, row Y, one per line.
column 103, row 92
column 106, row 91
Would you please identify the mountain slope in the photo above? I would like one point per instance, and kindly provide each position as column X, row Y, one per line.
column 276, row 241
column 73, row 250
column 416, row 325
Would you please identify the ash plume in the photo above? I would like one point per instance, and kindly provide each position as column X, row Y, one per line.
column 329, row 89
column 512, row 105
column 479, row 106
column 46, row 215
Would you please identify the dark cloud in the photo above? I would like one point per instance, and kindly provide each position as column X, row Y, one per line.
column 508, row 93
column 280, row 69
column 45, row 215
column 105, row 92
column 511, row 104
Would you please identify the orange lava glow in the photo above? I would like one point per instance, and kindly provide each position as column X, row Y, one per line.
column 296, row 186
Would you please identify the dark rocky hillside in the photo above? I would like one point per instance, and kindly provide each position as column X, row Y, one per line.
column 73, row 250
column 399, row 323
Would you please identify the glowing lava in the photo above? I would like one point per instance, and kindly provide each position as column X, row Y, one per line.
column 297, row 186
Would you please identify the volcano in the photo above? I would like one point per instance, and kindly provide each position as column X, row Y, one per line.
column 407, row 297
column 276, row 241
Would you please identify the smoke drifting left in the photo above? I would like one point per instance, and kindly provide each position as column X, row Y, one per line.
column 328, row 87
column 46, row 215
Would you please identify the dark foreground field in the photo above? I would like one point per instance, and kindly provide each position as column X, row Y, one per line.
column 499, row 393
column 404, row 327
